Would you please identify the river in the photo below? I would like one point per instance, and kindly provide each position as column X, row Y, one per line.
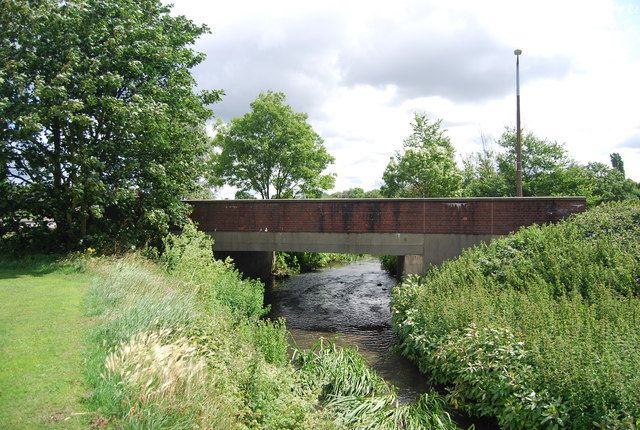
column 350, row 304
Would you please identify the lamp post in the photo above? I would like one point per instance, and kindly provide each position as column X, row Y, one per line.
column 517, row 53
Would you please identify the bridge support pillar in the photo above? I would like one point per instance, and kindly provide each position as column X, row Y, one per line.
column 411, row 265
column 252, row 264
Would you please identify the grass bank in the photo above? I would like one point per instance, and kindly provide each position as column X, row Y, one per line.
column 541, row 328
column 41, row 324
column 181, row 343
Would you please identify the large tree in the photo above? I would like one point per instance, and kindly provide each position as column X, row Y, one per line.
column 273, row 152
column 426, row 165
column 100, row 126
column 542, row 162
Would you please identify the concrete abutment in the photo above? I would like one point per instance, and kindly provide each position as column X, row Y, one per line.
column 252, row 264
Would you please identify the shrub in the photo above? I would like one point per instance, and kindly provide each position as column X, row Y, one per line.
column 189, row 256
column 292, row 263
column 538, row 328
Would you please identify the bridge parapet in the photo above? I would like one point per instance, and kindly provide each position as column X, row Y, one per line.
column 494, row 216
column 432, row 229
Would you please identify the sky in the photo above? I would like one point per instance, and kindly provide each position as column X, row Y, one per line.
column 360, row 69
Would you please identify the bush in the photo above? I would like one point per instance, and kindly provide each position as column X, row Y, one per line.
column 189, row 256
column 538, row 328
column 390, row 264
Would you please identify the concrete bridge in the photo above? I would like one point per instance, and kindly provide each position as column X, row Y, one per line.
column 423, row 232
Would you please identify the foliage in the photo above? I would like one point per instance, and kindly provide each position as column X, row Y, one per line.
column 537, row 328
column 272, row 151
column 356, row 193
column 426, row 166
column 481, row 177
column 362, row 399
column 541, row 159
column 390, row 264
column 291, row 263
column 101, row 130
column 189, row 256
column 547, row 171
column 616, row 162
column 165, row 352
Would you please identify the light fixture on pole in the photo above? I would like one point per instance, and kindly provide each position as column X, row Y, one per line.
column 517, row 53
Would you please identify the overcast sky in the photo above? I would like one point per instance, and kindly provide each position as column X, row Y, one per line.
column 360, row 70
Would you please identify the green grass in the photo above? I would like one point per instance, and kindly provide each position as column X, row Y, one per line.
column 41, row 378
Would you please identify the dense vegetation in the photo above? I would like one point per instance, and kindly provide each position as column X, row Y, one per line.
column 547, row 171
column 181, row 344
column 101, row 129
column 540, row 328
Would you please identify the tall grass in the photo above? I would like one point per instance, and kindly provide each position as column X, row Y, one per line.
column 360, row 398
column 168, row 351
column 540, row 328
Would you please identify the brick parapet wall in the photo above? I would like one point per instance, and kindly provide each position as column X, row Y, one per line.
column 494, row 216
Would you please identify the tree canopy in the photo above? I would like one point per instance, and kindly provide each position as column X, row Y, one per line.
column 273, row 152
column 356, row 193
column 426, row 165
column 101, row 129
column 547, row 171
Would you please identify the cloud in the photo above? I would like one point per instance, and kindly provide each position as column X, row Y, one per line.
column 466, row 65
column 632, row 141
column 310, row 55
column 361, row 68
column 290, row 55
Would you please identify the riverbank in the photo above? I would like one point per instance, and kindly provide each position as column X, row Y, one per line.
column 548, row 317
column 181, row 342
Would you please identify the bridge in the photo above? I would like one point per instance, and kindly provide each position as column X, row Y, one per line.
column 422, row 232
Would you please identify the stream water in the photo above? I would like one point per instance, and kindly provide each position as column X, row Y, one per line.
column 350, row 305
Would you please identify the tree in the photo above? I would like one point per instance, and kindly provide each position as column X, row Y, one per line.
column 481, row 177
column 542, row 160
column 616, row 162
column 273, row 151
column 426, row 166
column 356, row 193
column 100, row 125
column 547, row 171
column 607, row 184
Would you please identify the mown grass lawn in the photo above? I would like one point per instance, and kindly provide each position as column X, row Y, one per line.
column 41, row 326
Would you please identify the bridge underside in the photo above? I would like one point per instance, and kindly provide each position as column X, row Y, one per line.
column 418, row 251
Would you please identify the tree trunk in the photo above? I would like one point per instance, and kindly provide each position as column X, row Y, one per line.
column 62, row 214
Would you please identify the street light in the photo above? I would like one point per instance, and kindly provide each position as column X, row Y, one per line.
column 517, row 53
